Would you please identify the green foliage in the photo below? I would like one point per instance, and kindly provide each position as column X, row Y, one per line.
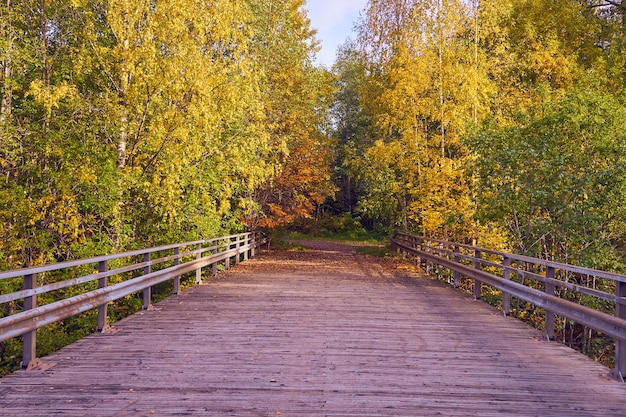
column 10, row 356
column 344, row 228
column 382, row 251
column 289, row 246
column 328, row 224
column 353, row 125
column 556, row 177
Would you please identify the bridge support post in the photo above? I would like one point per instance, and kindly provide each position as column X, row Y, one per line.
column 429, row 264
column 440, row 267
column 237, row 253
column 620, row 347
column 246, row 241
column 147, row 292
column 227, row 260
column 477, row 283
column 176, row 288
column 102, row 310
column 506, row 297
column 419, row 244
column 457, row 259
column 199, row 270
column 214, row 264
column 29, row 346
column 549, row 289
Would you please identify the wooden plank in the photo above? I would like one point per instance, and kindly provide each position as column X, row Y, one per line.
column 323, row 332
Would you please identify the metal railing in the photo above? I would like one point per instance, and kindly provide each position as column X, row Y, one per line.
column 175, row 260
column 497, row 269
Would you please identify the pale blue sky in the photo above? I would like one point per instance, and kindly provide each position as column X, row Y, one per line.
column 334, row 21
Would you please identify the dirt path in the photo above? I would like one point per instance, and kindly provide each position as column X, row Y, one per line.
column 343, row 258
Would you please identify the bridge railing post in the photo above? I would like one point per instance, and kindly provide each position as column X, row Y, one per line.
column 506, row 297
column 199, row 270
column 237, row 253
column 620, row 347
column 429, row 264
column 229, row 244
column 214, row 264
column 147, row 292
column 439, row 266
column 415, row 243
column 29, row 345
column 246, row 241
column 457, row 259
column 102, row 283
column 176, row 285
column 478, row 266
column 550, row 290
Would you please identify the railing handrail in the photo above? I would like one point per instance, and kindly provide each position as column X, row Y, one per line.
column 20, row 272
column 15, row 325
column 611, row 325
column 33, row 317
column 4, row 298
column 538, row 261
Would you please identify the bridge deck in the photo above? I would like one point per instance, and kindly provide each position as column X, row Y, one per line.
column 316, row 333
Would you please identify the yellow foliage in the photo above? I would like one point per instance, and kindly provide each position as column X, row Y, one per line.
column 49, row 96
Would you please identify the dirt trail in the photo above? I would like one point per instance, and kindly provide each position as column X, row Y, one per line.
column 340, row 257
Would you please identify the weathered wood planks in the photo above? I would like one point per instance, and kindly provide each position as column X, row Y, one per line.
column 320, row 333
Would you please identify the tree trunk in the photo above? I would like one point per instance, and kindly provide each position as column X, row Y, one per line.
column 125, row 77
column 6, row 101
column 441, row 97
column 46, row 71
column 475, row 101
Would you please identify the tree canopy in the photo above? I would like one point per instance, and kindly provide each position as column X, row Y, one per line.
column 496, row 121
column 126, row 124
column 133, row 123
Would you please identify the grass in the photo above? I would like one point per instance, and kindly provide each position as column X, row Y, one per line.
column 377, row 250
column 282, row 243
column 357, row 237
column 367, row 243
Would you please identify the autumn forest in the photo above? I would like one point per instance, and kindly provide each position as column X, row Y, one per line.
column 127, row 124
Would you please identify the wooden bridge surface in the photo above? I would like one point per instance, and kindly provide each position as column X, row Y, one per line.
column 325, row 332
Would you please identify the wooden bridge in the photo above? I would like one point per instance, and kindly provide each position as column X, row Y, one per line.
column 321, row 332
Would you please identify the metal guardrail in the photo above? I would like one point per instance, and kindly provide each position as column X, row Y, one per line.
column 184, row 258
column 469, row 261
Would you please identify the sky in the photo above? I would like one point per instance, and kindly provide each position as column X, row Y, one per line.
column 334, row 21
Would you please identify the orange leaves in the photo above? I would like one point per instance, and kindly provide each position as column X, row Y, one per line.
column 295, row 97
column 302, row 185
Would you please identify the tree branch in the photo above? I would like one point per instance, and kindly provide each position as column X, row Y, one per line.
column 614, row 3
